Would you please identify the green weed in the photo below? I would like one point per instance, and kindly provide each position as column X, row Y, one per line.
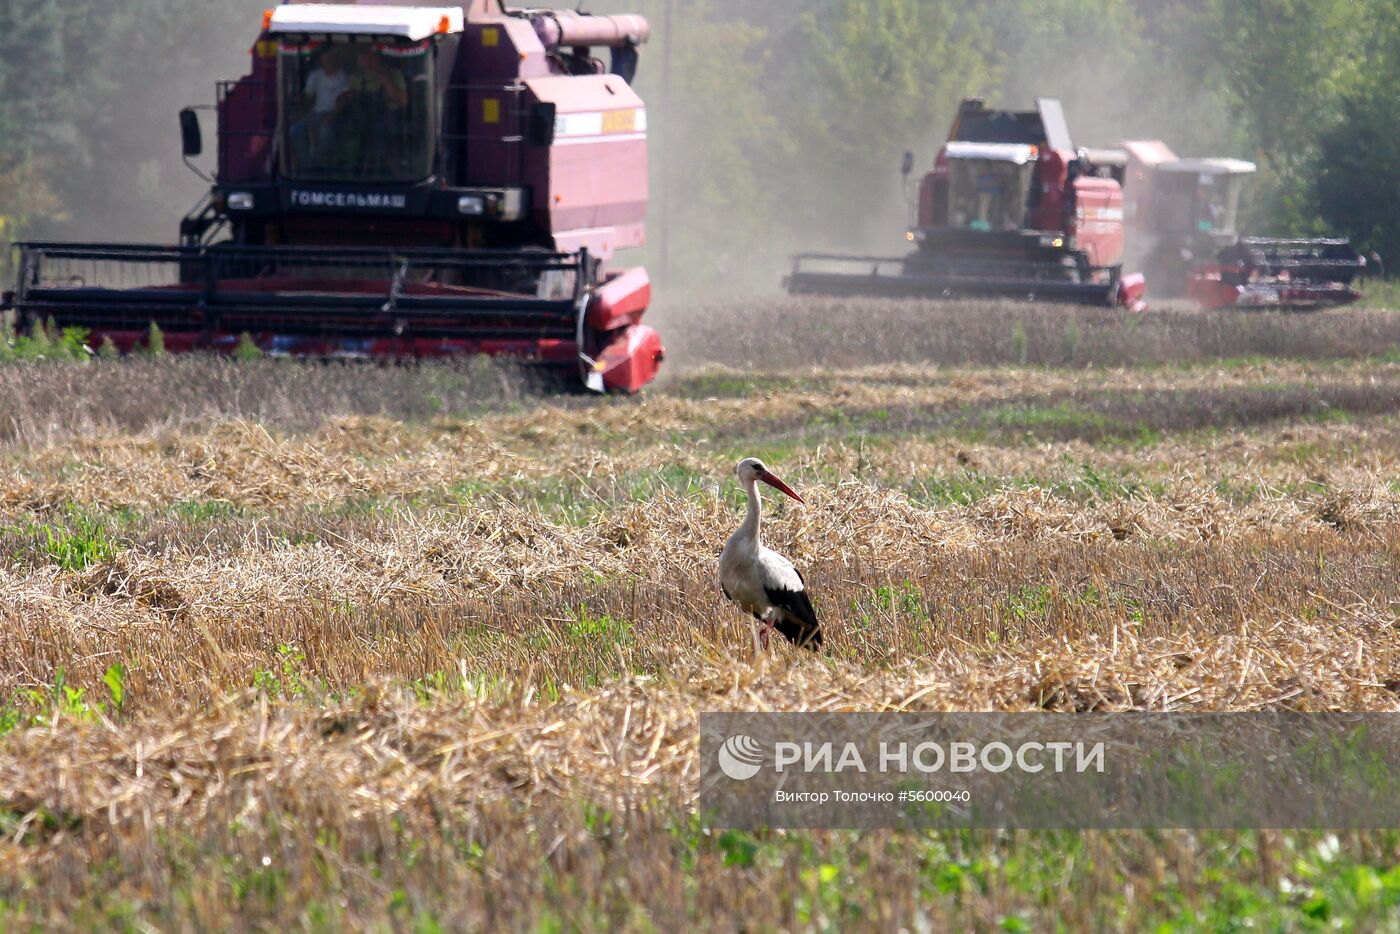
column 288, row 679
column 602, row 629
column 155, row 341
column 63, row 700
column 246, row 349
column 43, row 342
column 78, row 547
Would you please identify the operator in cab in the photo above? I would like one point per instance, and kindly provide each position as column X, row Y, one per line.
column 322, row 95
column 378, row 95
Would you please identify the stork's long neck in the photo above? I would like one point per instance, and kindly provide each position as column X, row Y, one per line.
column 748, row 532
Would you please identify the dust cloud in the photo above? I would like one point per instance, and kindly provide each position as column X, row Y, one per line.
column 728, row 210
column 123, row 178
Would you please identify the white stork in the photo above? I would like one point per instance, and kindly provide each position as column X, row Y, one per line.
column 760, row 580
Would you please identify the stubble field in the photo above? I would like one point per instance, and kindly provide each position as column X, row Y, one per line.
column 294, row 646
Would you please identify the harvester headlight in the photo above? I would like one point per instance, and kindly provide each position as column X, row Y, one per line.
column 909, row 236
column 475, row 205
column 240, row 201
column 1052, row 241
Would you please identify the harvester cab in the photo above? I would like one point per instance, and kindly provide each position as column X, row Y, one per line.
column 1183, row 224
column 399, row 181
column 1010, row 208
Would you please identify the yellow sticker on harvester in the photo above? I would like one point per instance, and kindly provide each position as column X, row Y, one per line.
column 619, row 121
column 491, row 110
column 490, row 37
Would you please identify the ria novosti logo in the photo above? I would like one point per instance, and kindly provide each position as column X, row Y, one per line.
column 740, row 757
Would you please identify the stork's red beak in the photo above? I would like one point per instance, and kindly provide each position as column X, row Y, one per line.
column 777, row 484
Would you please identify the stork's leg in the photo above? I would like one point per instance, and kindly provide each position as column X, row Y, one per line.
column 762, row 626
column 765, row 629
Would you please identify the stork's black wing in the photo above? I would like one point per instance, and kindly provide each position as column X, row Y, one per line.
column 794, row 616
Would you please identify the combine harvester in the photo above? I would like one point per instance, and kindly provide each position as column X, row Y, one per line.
column 1011, row 209
column 1182, row 223
column 399, row 181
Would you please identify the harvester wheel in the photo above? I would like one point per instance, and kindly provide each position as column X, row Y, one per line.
column 1115, row 278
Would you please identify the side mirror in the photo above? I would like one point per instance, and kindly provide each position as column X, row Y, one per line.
column 191, row 140
column 624, row 61
column 908, row 166
column 542, row 124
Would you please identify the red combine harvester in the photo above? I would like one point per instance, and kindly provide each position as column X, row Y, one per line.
column 1182, row 222
column 1011, row 208
column 399, row 181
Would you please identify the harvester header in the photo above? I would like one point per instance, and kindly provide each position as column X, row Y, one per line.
column 397, row 180
column 1010, row 208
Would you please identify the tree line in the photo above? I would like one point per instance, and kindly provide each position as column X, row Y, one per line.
column 787, row 119
column 779, row 125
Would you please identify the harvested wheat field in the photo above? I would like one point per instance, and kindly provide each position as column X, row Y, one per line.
column 313, row 647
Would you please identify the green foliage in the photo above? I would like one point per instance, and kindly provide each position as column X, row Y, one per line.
column 79, row 544
column 1088, row 53
column 32, row 85
column 721, row 139
column 1316, row 885
column 1285, row 89
column 72, row 343
column 739, row 848
column 288, row 679
column 43, row 342
column 599, row 630
column 1029, row 602
column 905, row 599
column 115, row 679
column 246, row 349
column 87, row 146
column 34, row 707
column 1357, row 167
column 1285, row 92
column 155, row 341
column 878, row 77
column 68, row 701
